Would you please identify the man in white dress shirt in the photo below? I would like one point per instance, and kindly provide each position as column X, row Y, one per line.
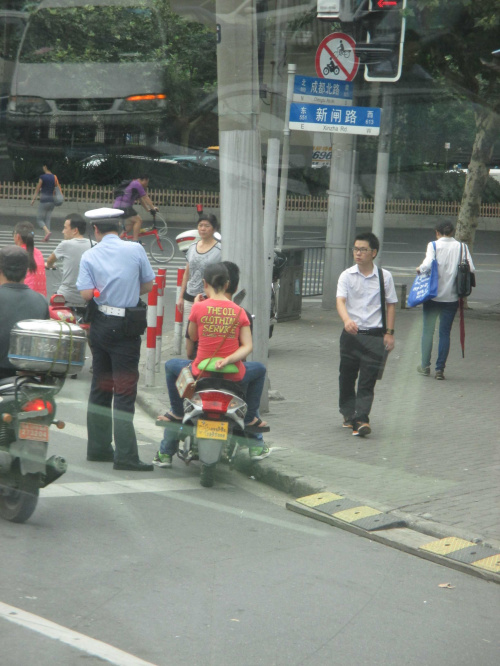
column 363, row 339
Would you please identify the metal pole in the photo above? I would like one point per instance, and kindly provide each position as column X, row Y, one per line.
column 382, row 174
column 285, row 159
column 271, row 201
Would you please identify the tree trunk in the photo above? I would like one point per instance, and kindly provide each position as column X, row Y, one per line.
column 487, row 126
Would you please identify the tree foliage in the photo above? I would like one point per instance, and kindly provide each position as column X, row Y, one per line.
column 456, row 45
column 190, row 73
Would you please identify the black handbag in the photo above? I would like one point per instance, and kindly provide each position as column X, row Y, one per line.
column 465, row 278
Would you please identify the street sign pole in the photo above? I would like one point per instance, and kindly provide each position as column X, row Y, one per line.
column 382, row 174
column 285, row 158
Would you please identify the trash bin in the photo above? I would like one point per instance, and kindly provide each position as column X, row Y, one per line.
column 290, row 293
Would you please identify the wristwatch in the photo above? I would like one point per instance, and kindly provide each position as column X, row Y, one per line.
column 389, row 331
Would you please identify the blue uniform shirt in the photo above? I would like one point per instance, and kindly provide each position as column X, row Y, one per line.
column 117, row 269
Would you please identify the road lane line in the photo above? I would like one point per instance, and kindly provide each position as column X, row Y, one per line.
column 174, row 487
column 72, row 638
column 80, row 432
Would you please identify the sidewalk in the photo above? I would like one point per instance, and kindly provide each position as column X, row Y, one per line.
column 433, row 455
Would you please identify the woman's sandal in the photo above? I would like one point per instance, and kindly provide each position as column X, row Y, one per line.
column 257, row 427
column 168, row 417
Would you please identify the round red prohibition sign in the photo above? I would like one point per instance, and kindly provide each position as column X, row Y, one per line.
column 336, row 57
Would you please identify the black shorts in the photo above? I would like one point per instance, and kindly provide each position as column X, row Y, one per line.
column 130, row 211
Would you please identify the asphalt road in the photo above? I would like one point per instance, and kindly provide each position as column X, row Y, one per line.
column 403, row 250
column 152, row 568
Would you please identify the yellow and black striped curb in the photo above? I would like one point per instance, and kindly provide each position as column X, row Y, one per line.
column 476, row 559
column 467, row 552
column 351, row 512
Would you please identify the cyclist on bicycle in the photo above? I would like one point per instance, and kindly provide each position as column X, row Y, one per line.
column 134, row 191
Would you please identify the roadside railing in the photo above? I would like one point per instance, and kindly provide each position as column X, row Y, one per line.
column 189, row 199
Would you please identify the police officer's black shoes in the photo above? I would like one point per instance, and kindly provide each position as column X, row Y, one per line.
column 101, row 457
column 138, row 466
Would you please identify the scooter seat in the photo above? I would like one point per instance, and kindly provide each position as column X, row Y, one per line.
column 217, row 382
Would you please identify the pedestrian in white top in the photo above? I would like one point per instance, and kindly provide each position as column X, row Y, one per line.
column 445, row 305
column 363, row 339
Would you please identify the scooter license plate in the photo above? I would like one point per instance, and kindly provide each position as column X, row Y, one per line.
column 212, row 429
column 34, row 431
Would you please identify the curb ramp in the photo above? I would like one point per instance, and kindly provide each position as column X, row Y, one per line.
column 336, row 510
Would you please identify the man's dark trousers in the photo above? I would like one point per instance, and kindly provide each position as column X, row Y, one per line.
column 114, row 384
column 359, row 354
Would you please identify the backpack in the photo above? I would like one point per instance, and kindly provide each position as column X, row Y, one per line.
column 119, row 191
column 465, row 279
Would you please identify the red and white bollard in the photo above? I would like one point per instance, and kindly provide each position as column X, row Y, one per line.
column 178, row 315
column 151, row 336
column 160, row 312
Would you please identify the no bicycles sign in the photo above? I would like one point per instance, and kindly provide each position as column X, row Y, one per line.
column 336, row 57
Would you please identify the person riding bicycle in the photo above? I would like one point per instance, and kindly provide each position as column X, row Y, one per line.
column 134, row 191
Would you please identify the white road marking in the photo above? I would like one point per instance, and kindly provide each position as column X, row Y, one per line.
column 122, row 487
column 80, row 432
column 74, row 639
column 176, row 489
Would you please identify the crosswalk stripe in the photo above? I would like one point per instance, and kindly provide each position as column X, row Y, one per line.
column 47, row 248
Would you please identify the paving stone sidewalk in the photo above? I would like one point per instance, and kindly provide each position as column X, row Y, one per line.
column 433, row 454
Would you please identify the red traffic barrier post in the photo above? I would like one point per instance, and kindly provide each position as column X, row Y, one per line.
column 160, row 280
column 151, row 336
column 178, row 314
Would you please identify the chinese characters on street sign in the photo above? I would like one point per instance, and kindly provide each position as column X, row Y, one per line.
column 328, row 118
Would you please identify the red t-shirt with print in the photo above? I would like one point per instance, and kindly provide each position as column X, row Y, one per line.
column 213, row 319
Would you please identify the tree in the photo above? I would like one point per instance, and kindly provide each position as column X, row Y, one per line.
column 190, row 70
column 456, row 45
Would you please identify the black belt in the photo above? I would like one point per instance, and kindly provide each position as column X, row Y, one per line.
column 377, row 332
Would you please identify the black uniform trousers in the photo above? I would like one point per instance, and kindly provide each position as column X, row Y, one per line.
column 359, row 355
column 113, row 391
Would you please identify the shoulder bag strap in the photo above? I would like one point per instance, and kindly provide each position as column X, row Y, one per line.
column 382, row 298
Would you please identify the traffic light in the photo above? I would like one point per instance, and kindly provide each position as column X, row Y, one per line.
column 386, row 22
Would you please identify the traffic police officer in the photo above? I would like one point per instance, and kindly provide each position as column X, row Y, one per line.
column 113, row 273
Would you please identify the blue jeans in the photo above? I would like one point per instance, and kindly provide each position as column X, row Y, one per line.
column 446, row 313
column 252, row 383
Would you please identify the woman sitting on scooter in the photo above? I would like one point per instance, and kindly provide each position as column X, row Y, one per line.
column 221, row 328
column 209, row 322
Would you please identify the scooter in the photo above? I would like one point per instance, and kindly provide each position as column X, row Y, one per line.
column 28, row 409
column 213, row 425
column 61, row 311
column 43, row 352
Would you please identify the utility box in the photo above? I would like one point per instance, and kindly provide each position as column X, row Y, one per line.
column 290, row 293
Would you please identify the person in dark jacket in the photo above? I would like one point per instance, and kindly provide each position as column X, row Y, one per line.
column 17, row 301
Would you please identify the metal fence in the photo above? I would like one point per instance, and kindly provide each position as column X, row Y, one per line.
column 314, row 264
column 189, row 199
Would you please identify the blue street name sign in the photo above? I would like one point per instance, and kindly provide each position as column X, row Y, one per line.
column 329, row 118
column 320, row 91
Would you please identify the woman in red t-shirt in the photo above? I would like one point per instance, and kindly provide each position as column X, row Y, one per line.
column 221, row 328
column 24, row 234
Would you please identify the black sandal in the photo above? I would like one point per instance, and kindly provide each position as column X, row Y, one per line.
column 255, row 427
